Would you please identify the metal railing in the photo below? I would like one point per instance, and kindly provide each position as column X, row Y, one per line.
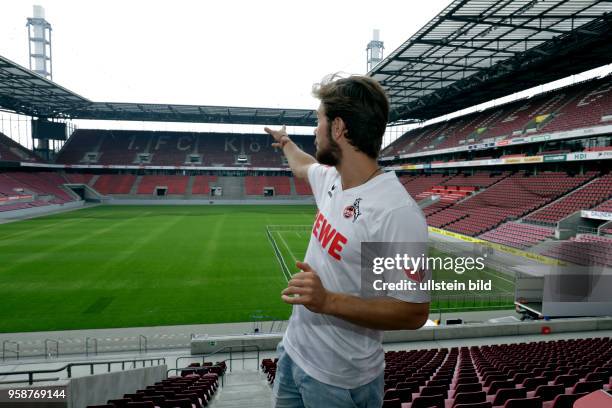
column 68, row 368
column 47, row 349
column 231, row 350
column 142, row 343
column 586, row 230
column 94, row 341
column 4, row 349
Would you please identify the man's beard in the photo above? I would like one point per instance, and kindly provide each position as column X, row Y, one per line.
column 331, row 155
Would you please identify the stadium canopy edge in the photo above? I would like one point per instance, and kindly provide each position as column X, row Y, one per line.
column 475, row 51
column 25, row 92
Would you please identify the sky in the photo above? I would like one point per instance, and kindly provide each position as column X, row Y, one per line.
column 264, row 53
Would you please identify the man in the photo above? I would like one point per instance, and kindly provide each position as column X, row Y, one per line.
column 331, row 354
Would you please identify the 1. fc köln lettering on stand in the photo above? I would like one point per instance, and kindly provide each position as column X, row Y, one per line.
column 329, row 238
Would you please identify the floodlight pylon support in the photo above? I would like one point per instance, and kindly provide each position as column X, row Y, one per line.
column 374, row 51
column 39, row 43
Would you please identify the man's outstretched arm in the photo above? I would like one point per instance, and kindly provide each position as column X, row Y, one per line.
column 299, row 160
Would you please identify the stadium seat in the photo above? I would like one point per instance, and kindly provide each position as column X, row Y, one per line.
column 141, row 404
column 586, row 386
column 484, row 404
column 156, row 399
column 119, row 403
column 434, row 390
column 567, row 380
column 598, row 376
column 404, row 394
column 524, row 403
column 470, row 397
column 430, row 401
column 504, row 394
column 391, row 394
column 498, row 385
column 548, row 392
column 392, row 403
column 566, row 400
column 470, row 387
column 532, row 383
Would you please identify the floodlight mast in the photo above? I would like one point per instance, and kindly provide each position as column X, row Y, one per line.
column 374, row 51
column 39, row 43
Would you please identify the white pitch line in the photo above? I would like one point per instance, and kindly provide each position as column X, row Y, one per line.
column 287, row 246
column 497, row 276
column 279, row 257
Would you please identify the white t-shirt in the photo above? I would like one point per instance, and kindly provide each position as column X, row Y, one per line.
column 329, row 349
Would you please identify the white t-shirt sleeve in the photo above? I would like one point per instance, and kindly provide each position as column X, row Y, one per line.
column 319, row 177
column 407, row 227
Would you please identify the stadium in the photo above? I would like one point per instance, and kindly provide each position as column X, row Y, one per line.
column 141, row 264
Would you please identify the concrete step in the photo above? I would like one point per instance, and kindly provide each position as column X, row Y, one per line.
column 189, row 188
column 134, row 189
column 233, row 187
column 93, row 180
column 244, row 389
column 292, row 185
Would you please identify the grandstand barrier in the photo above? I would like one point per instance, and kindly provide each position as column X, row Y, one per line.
column 234, row 353
column 203, row 344
column 209, row 345
column 37, row 211
column 90, row 389
column 427, row 201
column 605, row 228
column 97, row 389
column 509, row 250
column 210, row 201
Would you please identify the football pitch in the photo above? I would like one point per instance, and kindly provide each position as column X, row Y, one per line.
column 128, row 266
column 131, row 266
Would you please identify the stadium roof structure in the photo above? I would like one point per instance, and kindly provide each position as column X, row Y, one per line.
column 27, row 93
column 475, row 51
column 23, row 91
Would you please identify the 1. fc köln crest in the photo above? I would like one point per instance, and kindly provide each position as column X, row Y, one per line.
column 352, row 211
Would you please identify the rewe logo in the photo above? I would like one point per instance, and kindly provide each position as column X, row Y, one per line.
column 329, row 238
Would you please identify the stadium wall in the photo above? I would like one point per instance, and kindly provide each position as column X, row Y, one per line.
column 97, row 389
column 89, row 390
column 209, row 344
column 38, row 211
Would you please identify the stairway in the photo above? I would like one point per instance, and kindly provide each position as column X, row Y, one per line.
column 244, row 389
column 233, row 187
column 292, row 185
column 93, row 180
column 134, row 189
column 189, row 188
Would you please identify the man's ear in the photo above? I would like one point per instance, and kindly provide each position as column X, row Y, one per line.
column 338, row 128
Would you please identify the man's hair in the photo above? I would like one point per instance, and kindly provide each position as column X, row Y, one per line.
column 361, row 103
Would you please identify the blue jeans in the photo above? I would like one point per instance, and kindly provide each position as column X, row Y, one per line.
column 293, row 388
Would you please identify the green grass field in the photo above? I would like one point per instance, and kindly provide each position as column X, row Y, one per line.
column 114, row 266
column 130, row 266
